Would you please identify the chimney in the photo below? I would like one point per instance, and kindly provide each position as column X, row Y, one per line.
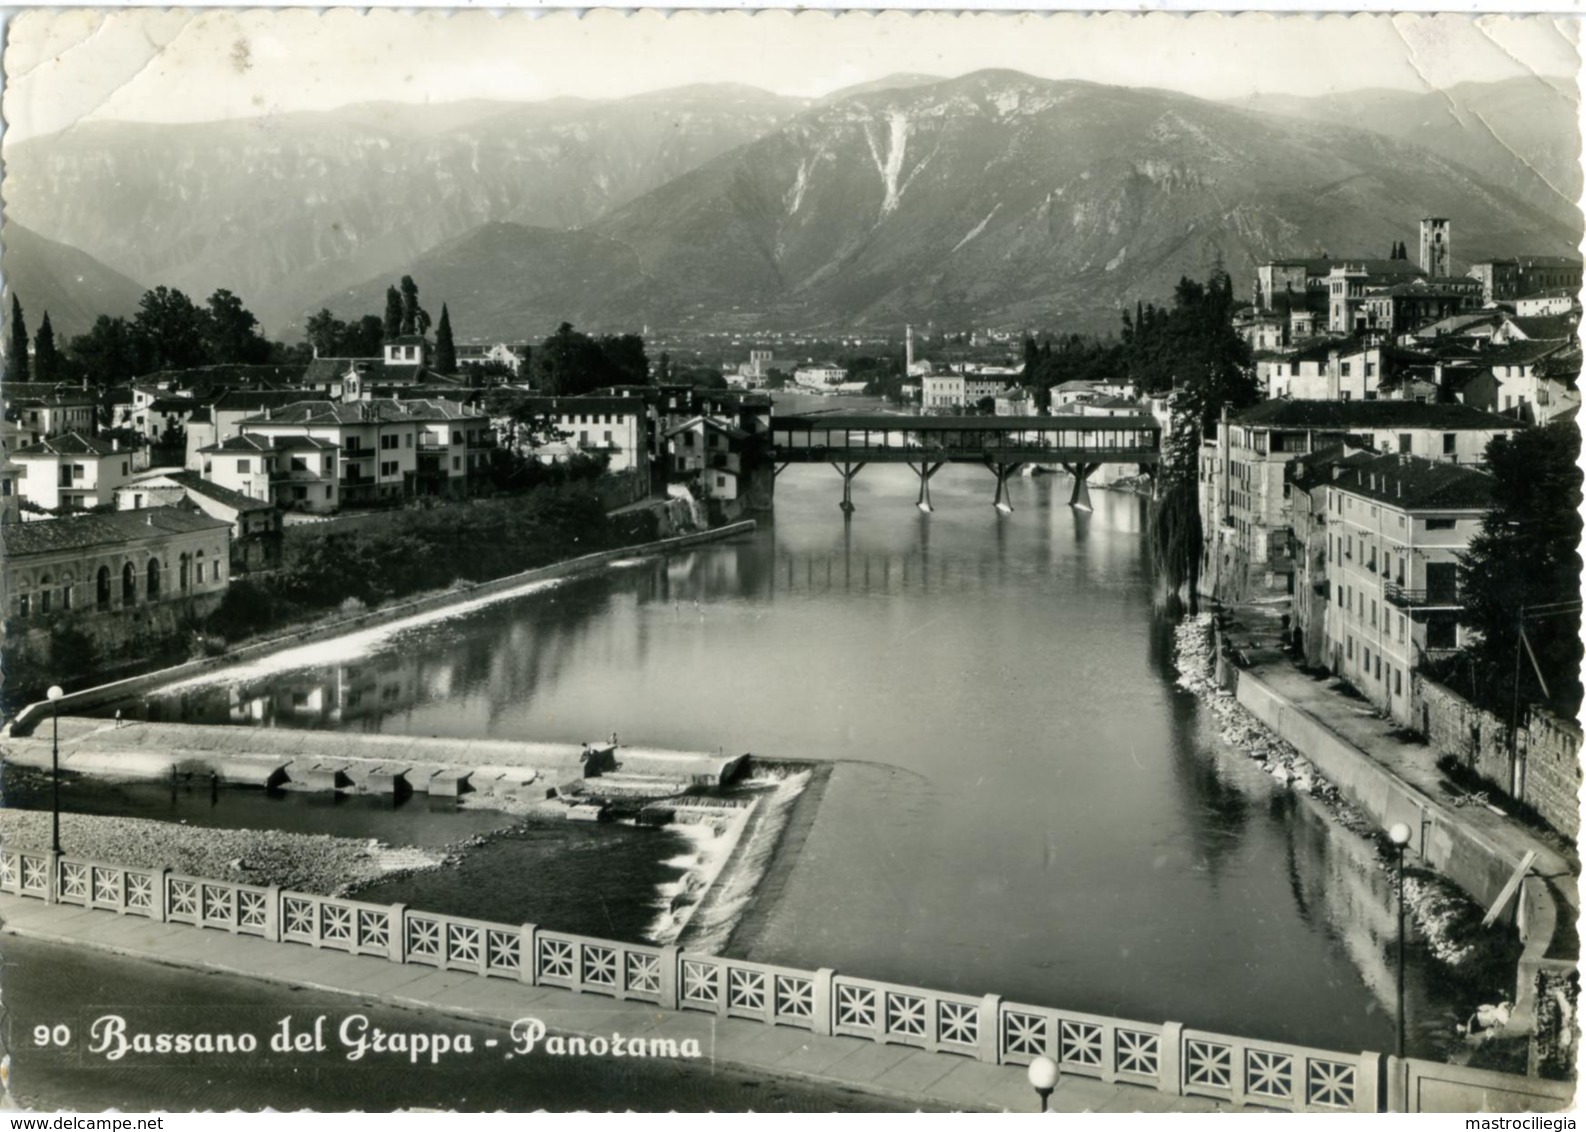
column 115, row 445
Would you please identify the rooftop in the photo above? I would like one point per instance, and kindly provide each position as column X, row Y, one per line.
column 114, row 528
column 198, row 485
column 69, row 444
column 364, row 412
column 1343, row 416
column 1413, row 484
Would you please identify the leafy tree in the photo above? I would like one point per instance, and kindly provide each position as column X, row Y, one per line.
column 415, row 319
column 169, row 331
column 1526, row 558
column 325, row 332
column 625, row 360
column 231, row 332
column 108, row 353
column 571, row 363
column 18, row 354
column 392, row 326
column 46, row 359
column 445, row 349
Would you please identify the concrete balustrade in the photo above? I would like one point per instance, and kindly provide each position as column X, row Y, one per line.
column 1163, row 1056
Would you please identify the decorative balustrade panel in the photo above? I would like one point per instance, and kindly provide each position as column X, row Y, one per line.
column 1275, row 1075
column 1087, row 1045
column 601, row 966
column 901, row 1015
column 342, row 925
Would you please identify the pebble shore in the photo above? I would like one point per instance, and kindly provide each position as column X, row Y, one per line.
column 1435, row 906
column 313, row 863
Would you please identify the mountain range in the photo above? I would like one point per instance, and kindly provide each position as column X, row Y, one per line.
column 993, row 198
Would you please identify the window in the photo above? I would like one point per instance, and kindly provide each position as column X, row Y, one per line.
column 22, row 605
column 457, row 463
column 1349, row 649
column 1404, row 442
column 388, row 442
column 1401, row 627
column 1349, row 548
column 1341, row 596
column 1379, row 666
column 1373, row 614
column 1448, row 444
column 721, row 481
column 457, row 437
column 1440, row 524
column 330, row 493
column 1398, row 682
column 299, row 492
column 244, row 467
column 1365, row 660
column 123, row 467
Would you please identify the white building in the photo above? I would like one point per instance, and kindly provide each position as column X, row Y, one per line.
column 71, row 471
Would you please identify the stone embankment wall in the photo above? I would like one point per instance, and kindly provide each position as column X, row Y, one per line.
column 146, row 628
column 1547, row 751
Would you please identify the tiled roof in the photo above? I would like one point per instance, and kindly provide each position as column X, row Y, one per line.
column 557, row 406
column 252, row 400
column 242, row 443
column 51, row 391
column 70, row 444
column 364, row 412
column 1522, row 353
column 1546, row 326
column 237, row 501
column 710, row 423
column 1349, row 415
column 1321, row 466
column 1427, row 289
column 230, row 376
column 1413, row 484
column 115, row 528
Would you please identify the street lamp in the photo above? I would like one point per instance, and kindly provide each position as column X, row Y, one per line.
column 1044, row 1075
column 55, row 695
column 1399, row 834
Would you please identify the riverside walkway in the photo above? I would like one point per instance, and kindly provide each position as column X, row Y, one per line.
column 901, row 1072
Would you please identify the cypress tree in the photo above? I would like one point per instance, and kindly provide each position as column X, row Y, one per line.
column 19, row 342
column 445, row 349
column 47, row 359
column 392, row 328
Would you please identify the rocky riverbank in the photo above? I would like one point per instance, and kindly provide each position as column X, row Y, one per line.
column 1441, row 913
column 316, row 863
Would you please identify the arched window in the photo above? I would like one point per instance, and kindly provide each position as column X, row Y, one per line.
column 45, row 593
column 129, row 585
column 182, row 569
column 102, row 589
column 153, row 587
column 66, row 591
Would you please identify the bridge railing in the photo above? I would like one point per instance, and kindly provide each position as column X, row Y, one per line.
column 1163, row 1056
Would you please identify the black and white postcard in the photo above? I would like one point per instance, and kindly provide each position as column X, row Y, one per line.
column 824, row 562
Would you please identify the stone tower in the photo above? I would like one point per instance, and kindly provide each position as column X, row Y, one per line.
column 1434, row 246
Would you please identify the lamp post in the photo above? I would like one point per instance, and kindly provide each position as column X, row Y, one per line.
column 1399, row 834
column 55, row 695
column 1044, row 1075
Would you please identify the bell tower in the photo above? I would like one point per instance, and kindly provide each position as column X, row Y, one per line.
column 1434, row 246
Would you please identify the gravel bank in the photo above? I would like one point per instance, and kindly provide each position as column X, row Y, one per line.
column 315, row 863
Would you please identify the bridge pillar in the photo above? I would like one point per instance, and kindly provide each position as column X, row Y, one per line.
column 925, row 471
column 398, row 940
column 1079, row 499
column 989, row 1029
column 1003, row 502
column 160, row 911
column 272, row 914
column 848, row 471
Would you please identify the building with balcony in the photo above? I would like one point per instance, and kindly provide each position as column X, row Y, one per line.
column 42, row 409
column 389, row 450
column 72, row 471
column 1244, row 495
column 1395, row 527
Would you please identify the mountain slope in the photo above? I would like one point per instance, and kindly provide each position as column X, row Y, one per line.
column 1520, row 134
column 73, row 286
column 286, row 208
column 1005, row 199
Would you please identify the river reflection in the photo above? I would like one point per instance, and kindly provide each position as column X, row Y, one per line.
column 1045, row 815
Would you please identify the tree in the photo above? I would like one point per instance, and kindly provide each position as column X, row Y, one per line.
column 169, row 331
column 625, row 360
column 571, row 363
column 415, row 319
column 46, row 359
column 445, row 349
column 108, row 353
column 363, row 338
column 18, row 354
column 231, row 332
column 325, row 332
column 1520, row 568
column 392, row 327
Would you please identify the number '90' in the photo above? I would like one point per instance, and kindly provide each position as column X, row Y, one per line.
column 60, row 1035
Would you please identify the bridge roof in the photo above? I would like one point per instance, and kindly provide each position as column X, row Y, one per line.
column 891, row 422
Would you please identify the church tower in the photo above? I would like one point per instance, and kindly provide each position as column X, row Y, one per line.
column 1434, row 246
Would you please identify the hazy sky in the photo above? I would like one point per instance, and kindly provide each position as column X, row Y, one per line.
column 64, row 65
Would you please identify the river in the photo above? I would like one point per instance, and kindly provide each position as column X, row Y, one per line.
column 1032, row 809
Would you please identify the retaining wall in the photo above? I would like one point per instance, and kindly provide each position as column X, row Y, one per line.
column 90, row 698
